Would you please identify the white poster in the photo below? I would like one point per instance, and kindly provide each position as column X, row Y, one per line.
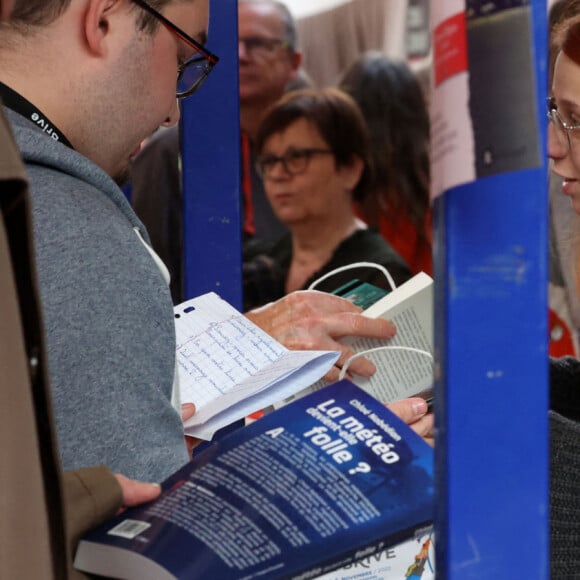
column 483, row 112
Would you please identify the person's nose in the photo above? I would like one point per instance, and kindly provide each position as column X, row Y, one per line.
column 174, row 115
column 556, row 148
column 243, row 54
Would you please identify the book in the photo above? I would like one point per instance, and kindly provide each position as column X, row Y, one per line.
column 229, row 367
column 405, row 367
column 326, row 481
column 360, row 293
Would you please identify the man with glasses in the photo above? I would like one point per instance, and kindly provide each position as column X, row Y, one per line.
column 84, row 82
column 36, row 541
column 269, row 60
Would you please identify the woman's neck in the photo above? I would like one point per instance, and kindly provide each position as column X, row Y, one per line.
column 313, row 246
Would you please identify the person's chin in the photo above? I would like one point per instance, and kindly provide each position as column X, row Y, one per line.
column 247, row 89
column 571, row 189
column 289, row 217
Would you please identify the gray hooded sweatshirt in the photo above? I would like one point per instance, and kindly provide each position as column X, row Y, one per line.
column 108, row 316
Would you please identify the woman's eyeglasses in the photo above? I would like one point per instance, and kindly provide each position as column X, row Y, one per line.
column 295, row 161
column 192, row 73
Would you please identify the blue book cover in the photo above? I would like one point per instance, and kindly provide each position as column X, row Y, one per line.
column 327, row 480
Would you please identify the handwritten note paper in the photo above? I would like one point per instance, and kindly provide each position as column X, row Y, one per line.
column 230, row 368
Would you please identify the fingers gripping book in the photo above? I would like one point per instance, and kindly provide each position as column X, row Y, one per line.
column 405, row 362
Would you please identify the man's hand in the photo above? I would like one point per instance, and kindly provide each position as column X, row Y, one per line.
column 413, row 411
column 136, row 492
column 312, row 320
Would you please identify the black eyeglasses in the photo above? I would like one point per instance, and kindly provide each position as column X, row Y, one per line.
column 261, row 47
column 295, row 161
column 193, row 72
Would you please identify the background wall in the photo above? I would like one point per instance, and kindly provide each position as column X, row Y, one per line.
column 334, row 32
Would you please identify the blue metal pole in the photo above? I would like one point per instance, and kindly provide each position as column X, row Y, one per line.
column 491, row 278
column 210, row 134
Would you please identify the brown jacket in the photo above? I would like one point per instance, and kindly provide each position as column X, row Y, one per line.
column 34, row 542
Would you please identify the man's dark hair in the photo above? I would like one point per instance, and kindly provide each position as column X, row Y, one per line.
column 38, row 12
column 336, row 117
column 43, row 12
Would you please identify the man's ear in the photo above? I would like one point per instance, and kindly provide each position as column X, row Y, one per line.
column 96, row 24
column 295, row 62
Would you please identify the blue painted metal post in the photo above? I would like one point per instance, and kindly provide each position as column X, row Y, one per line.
column 211, row 169
column 491, row 309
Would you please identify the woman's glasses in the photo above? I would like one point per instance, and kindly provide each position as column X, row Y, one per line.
column 562, row 129
column 294, row 161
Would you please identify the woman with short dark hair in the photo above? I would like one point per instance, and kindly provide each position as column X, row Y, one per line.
column 313, row 154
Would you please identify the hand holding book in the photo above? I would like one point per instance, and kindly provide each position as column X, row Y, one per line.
column 404, row 366
column 308, row 320
column 415, row 412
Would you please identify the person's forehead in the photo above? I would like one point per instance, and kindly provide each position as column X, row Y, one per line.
column 566, row 78
column 192, row 16
column 301, row 132
column 260, row 18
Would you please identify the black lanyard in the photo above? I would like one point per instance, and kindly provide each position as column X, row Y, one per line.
column 23, row 107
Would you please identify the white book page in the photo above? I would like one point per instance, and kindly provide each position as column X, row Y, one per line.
column 224, row 361
column 218, row 348
column 402, row 373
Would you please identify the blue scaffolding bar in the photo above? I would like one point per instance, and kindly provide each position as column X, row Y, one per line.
column 491, row 322
column 210, row 134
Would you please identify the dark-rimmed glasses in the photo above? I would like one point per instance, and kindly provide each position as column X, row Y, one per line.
column 193, row 72
column 562, row 129
column 260, row 47
column 294, row 161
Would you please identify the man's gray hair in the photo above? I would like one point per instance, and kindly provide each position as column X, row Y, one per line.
column 288, row 20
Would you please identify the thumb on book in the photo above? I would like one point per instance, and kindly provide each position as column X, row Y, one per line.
column 137, row 492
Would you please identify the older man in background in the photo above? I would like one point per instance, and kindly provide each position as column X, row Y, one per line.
column 269, row 61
